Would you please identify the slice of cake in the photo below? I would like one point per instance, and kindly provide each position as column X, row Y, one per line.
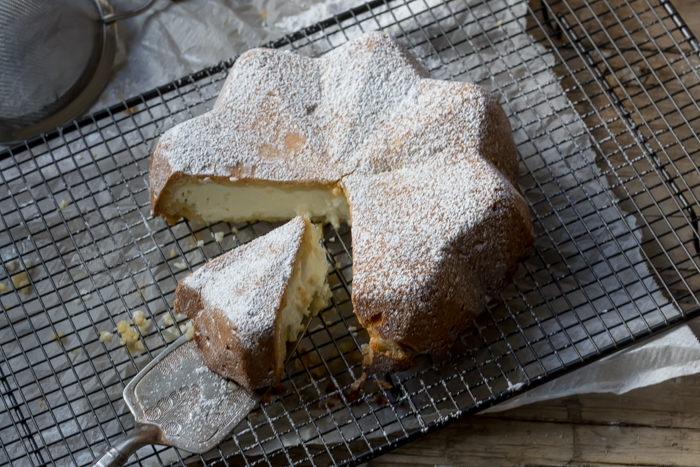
column 248, row 303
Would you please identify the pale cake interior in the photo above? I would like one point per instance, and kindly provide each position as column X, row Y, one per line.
column 209, row 201
column 307, row 291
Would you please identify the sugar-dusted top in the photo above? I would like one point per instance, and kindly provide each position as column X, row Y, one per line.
column 366, row 106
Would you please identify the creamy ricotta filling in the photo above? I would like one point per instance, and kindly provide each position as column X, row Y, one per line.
column 307, row 292
column 210, row 202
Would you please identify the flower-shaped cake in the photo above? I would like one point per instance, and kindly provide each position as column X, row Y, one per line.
column 425, row 170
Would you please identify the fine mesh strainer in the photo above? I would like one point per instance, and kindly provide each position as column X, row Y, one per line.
column 55, row 58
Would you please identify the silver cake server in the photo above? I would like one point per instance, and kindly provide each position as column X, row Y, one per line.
column 177, row 401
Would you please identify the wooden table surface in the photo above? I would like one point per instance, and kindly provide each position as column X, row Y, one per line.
column 657, row 425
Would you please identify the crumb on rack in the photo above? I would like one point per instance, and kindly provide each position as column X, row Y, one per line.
column 58, row 335
column 234, row 230
column 130, row 338
column 141, row 321
column 3, row 287
column 200, row 243
column 21, row 281
column 173, row 253
column 106, row 336
column 219, row 237
column 63, row 204
column 231, row 386
column 168, row 320
column 180, row 265
column 188, row 330
column 139, row 317
column 140, row 290
column 11, row 265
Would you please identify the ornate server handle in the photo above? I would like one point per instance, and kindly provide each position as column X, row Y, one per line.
column 124, row 447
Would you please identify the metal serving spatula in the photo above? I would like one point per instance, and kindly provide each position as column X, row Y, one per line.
column 177, row 401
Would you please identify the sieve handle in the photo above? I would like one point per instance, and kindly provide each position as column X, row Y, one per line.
column 124, row 447
column 112, row 17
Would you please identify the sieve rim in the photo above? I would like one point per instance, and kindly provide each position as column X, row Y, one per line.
column 85, row 97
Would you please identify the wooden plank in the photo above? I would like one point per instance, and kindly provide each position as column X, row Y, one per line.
column 656, row 425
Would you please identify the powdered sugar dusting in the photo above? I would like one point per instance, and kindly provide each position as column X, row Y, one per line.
column 428, row 166
column 247, row 284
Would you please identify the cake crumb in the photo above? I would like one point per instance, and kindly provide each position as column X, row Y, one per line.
column 231, row 386
column 63, row 204
column 3, row 287
column 21, row 281
column 219, row 237
column 233, row 179
column 106, row 336
column 180, row 265
column 235, row 230
column 200, row 243
column 11, row 265
column 139, row 317
column 141, row 321
column 168, row 320
column 173, row 253
column 130, row 338
column 188, row 330
column 352, row 328
column 58, row 335
column 140, row 290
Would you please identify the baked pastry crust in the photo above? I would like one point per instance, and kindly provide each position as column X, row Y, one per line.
column 429, row 169
column 237, row 301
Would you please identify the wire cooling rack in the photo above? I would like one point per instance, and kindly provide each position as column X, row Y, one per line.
column 602, row 97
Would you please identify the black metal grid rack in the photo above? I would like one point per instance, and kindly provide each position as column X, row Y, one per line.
column 602, row 96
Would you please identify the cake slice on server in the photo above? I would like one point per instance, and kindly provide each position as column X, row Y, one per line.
column 248, row 303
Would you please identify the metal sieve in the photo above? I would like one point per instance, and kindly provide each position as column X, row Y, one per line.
column 55, row 58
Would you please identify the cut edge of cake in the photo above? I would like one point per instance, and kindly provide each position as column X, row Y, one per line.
column 249, row 302
column 207, row 200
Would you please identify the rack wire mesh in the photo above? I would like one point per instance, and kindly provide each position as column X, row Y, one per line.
column 602, row 97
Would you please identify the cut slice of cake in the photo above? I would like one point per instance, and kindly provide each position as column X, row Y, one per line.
column 248, row 303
